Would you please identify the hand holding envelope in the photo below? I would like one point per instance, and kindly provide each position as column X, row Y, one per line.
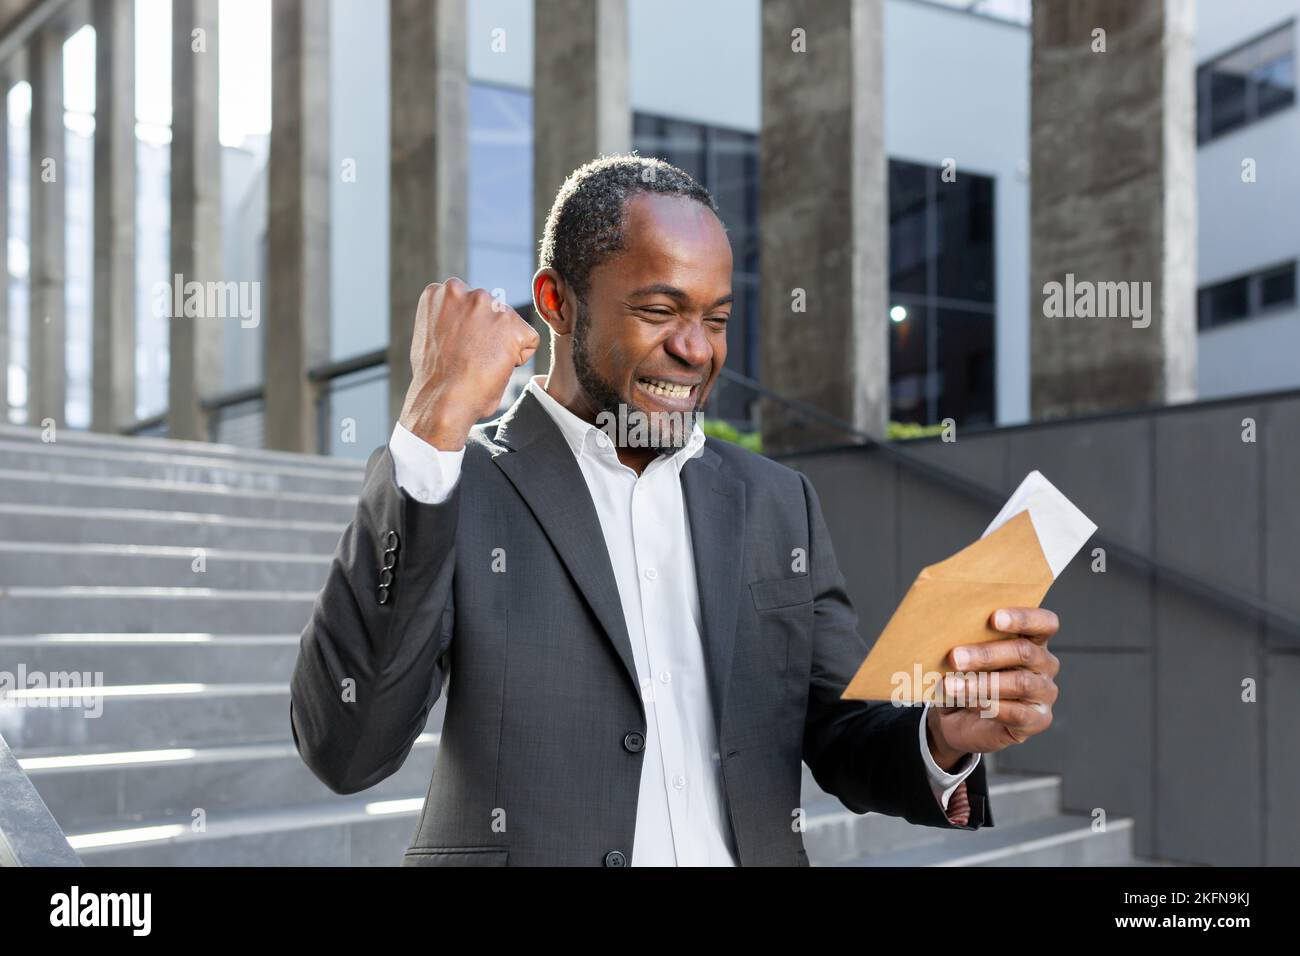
column 950, row 604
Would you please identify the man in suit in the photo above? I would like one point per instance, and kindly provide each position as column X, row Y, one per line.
column 639, row 640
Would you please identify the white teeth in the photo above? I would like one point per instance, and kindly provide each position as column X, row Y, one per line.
column 667, row 389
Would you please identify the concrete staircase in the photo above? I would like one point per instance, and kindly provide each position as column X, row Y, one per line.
column 184, row 573
column 1031, row 830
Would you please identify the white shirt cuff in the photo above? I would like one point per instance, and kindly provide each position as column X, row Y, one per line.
column 425, row 473
column 942, row 783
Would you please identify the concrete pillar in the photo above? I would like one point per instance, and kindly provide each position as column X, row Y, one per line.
column 581, row 108
column 1113, row 200
column 113, row 312
column 823, row 205
column 429, row 181
column 298, row 241
column 195, row 342
column 46, row 365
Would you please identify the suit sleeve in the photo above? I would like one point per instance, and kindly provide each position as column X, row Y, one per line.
column 864, row 752
column 372, row 659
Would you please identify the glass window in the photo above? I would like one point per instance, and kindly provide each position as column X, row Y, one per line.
column 1225, row 302
column 502, row 250
column 941, row 306
column 964, row 364
column 909, row 248
column 964, row 237
column 1246, row 84
column 1247, row 296
column 1277, row 288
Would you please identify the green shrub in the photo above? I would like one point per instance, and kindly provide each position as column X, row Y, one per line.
column 717, row 428
column 901, row 431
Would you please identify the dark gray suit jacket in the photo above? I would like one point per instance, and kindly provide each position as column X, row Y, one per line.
column 543, row 741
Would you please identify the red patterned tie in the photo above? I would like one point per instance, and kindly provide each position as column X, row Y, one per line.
column 959, row 806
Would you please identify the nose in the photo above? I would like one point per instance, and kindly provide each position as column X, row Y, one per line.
column 690, row 344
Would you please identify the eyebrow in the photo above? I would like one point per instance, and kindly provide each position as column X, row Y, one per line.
column 660, row 288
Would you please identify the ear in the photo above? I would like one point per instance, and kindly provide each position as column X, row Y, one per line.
column 551, row 301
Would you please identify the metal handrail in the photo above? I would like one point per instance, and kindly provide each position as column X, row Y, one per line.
column 29, row 834
column 343, row 367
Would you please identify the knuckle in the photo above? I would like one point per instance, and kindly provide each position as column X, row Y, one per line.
column 1025, row 650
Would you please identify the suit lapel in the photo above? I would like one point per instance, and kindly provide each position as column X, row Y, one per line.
column 543, row 469
column 715, row 505
column 545, row 473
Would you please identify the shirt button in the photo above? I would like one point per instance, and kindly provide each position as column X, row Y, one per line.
column 651, row 574
column 679, row 782
column 665, row 677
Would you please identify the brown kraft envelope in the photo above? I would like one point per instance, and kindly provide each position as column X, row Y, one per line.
column 948, row 605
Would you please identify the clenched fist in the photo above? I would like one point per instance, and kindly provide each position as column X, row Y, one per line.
column 463, row 349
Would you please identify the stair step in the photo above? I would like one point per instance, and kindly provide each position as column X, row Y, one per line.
column 834, row 835
column 345, row 832
column 72, row 438
column 30, row 563
column 88, row 792
column 145, row 716
column 121, row 717
column 156, row 658
column 24, row 610
column 49, row 489
column 302, row 476
column 90, row 525
column 1064, row 840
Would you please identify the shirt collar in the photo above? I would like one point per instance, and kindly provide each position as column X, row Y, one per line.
column 584, row 436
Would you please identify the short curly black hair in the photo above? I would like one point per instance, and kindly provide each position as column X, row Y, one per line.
column 585, row 224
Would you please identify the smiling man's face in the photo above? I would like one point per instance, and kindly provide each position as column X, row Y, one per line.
column 652, row 337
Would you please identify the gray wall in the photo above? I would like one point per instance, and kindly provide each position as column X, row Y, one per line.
column 1150, row 722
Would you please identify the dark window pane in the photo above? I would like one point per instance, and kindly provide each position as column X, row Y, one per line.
column 674, row 141
column 1247, row 84
column 1227, row 100
column 965, row 362
column 908, row 225
column 1277, row 288
column 908, row 368
column 1275, row 85
column 964, row 221
column 941, row 251
column 1227, row 301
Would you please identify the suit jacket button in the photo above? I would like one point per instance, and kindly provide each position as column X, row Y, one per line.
column 615, row 858
column 634, row 742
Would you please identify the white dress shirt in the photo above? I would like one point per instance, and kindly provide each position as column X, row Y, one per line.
column 681, row 816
